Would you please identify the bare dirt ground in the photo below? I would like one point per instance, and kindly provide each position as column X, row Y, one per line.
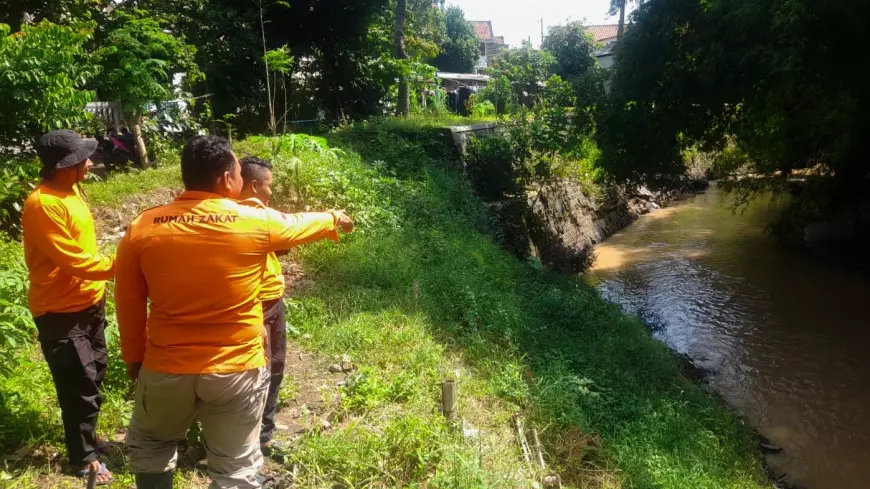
column 314, row 404
column 112, row 222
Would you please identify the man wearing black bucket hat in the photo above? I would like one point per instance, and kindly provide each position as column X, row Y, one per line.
column 67, row 291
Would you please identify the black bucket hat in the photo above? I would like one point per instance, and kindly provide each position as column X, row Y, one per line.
column 64, row 148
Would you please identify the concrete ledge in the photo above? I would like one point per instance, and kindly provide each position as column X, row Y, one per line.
column 486, row 126
column 463, row 134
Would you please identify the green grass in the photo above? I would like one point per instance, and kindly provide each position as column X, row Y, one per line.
column 119, row 186
column 421, row 294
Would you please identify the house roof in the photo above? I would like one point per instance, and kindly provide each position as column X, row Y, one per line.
column 602, row 32
column 483, row 29
column 498, row 39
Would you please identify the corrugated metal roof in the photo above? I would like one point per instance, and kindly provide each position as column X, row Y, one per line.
column 462, row 76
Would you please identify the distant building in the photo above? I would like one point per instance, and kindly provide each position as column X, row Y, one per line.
column 460, row 87
column 454, row 81
column 605, row 36
column 490, row 44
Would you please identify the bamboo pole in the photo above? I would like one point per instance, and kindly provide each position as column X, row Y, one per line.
column 523, row 441
column 539, row 452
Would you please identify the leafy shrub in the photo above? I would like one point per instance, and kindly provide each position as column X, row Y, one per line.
column 309, row 175
column 439, row 101
column 483, row 109
column 499, row 93
column 18, row 177
column 17, row 330
column 491, row 169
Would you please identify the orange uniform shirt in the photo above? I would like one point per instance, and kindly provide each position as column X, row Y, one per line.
column 67, row 273
column 272, row 287
column 200, row 261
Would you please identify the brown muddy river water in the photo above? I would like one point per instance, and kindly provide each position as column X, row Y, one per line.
column 786, row 336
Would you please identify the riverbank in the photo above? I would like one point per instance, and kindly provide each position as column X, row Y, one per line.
column 564, row 221
column 419, row 295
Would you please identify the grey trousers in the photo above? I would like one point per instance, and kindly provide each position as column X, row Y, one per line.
column 228, row 406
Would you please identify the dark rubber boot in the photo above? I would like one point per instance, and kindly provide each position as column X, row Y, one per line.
column 154, row 481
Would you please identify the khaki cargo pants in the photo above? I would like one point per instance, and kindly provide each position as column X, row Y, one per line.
column 228, row 406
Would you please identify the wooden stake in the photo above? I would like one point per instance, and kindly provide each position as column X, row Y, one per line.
column 448, row 399
column 92, row 479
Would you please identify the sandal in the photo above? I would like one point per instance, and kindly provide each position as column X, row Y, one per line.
column 104, row 472
column 268, row 482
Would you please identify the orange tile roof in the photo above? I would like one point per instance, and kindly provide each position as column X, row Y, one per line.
column 602, row 32
column 483, row 29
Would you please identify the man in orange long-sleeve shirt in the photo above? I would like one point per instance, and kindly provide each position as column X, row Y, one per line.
column 67, row 285
column 198, row 352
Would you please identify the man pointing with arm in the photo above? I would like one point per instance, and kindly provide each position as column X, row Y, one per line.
column 256, row 192
column 198, row 352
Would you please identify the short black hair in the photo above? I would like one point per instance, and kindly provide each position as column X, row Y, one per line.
column 254, row 168
column 204, row 160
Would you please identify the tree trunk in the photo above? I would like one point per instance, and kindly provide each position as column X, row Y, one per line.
column 272, row 122
column 212, row 127
column 621, row 28
column 136, row 129
column 331, row 95
column 403, row 106
column 286, row 110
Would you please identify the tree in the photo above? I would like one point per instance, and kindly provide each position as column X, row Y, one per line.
column 461, row 49
column 140, row 60
column 229, row 52
column 572, row 47
column 781, row 81
column 344, row 67
column 266, row 57
column 43, row 74
column 618, row 6
column 280, row 63
column 526, row 68
column 403, row 107
column 19, row 12
column 341, row 50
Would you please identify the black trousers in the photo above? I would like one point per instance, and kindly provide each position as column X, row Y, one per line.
column 74, row 346
column 276, row 339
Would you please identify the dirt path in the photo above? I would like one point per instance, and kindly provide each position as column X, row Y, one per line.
column 316, row 393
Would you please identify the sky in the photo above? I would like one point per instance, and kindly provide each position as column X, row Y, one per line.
column 519, row 19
